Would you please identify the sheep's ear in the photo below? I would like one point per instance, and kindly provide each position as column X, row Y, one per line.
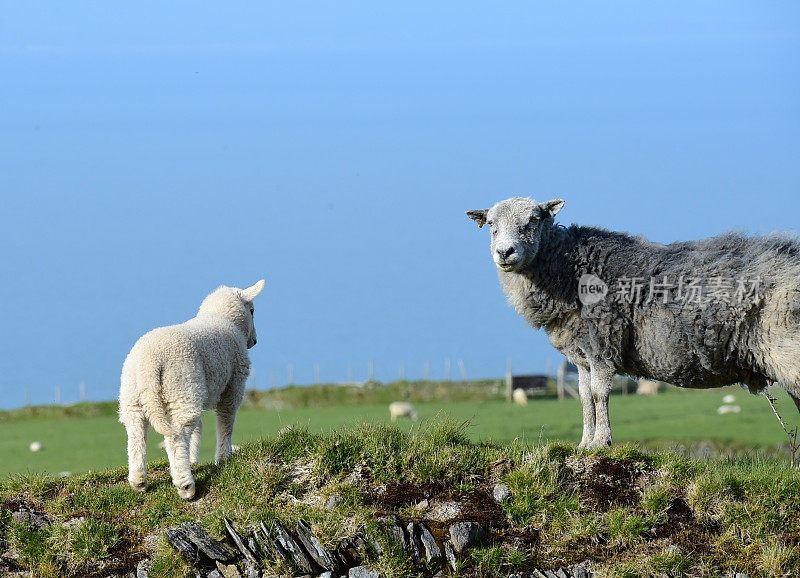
column 550, row 208
column 252, row 292
column 478, row 216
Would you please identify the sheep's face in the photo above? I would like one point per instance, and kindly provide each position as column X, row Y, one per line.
column 251, row 325
column 515, row 226
column 247, row 296
column 236, row 305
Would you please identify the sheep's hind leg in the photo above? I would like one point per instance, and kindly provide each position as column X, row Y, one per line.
column 587, row 401
column 225, row 420
column 177, row 446
column 136, row 427
column 194, row 445
column 601, row 377
column 227, row 407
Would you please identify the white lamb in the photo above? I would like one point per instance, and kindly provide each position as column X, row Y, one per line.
column 173, row 374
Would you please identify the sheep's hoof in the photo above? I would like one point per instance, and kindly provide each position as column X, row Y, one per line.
column 138, row 486
column 597, row 445
column 186, row 491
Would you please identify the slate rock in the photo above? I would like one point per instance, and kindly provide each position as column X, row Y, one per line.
column 550, row 574
column 326, row 574
column 465, row 535
column 362, row 572
column 180, row 540
column 580, row 572
column 313, row 546
column 142, row 568
column 282, row 538
column 237, row 539
column 432, row 552
column 414, row 541
column 215, row 574
column 450, row 555
column 206, row 544
column 270, row 547
column 561, row 573
column 348, row 554
column 391, row 525
column 371, row 541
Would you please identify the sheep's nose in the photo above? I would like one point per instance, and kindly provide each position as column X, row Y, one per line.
column 505, row 253
column 255, row 340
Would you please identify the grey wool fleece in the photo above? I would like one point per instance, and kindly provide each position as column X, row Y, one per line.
column 696, row 314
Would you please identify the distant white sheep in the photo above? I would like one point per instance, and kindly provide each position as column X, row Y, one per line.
column 730, row 398
column 399, row 409
column 647, row 387
column 723, row 409
column 519, row 396
column 174, row 373
column 35, row 446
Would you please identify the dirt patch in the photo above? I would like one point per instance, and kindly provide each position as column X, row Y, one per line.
column 678, row 517
column 475, row 505
column 602, row 482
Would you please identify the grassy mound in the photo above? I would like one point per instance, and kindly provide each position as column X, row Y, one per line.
column 625, row 512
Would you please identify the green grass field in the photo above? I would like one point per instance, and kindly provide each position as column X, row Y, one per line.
column 78, row 444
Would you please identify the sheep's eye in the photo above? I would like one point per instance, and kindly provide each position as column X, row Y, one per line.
column 251, row 311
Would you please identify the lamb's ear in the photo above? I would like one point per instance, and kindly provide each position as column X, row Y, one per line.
column 550, row 208
column 478, row 216
column 252, row 292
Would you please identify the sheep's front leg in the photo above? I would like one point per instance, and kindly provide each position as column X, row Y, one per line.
column 136, row 427
column 587, row 401
column 177, row 446
column 227, row 407
column 601, row 377
column 194, row 444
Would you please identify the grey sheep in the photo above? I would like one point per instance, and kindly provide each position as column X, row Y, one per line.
column 696, row 314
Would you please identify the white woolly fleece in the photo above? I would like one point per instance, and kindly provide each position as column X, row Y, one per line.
column 174, row 373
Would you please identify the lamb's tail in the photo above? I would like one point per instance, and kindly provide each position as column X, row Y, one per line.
column 151, row 398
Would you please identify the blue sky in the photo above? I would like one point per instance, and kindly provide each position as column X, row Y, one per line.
column 151, row 152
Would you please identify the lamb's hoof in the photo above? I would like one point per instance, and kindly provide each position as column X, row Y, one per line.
column 138, row 486
column 186, row 491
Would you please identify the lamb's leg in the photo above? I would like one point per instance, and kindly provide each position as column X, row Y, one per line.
column 225, row 420
column 587, row 401
column 601, row 377
column 227, row 407
column 194, row 445
column 136, row 426
column 177, row 447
